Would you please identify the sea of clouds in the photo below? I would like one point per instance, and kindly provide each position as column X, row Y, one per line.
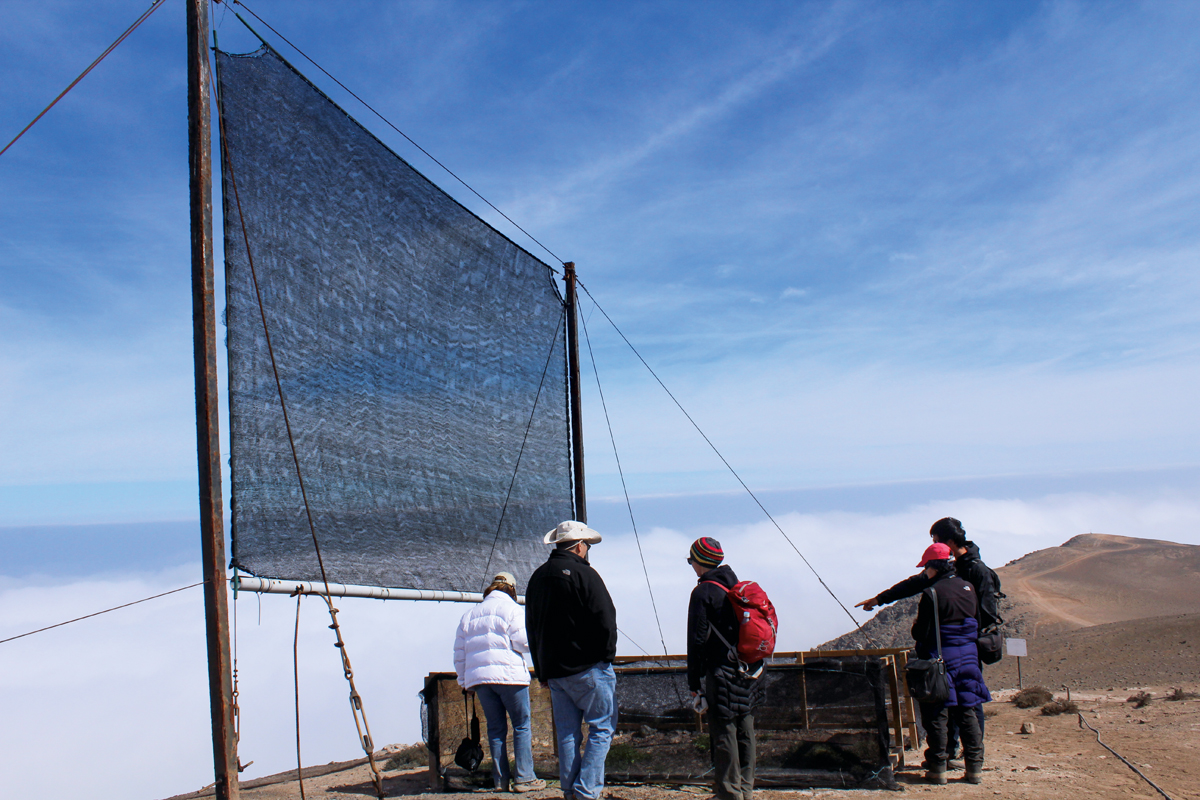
column 117, row 706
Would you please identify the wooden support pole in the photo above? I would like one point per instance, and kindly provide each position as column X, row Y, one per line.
column 208, row 441
column 575, row 392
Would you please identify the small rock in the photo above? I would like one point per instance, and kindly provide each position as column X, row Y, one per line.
column 1027, row 728
column 1031, row 766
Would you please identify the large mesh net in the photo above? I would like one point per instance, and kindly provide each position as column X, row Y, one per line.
column 416, row 346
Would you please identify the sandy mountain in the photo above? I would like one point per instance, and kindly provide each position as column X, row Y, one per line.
column 1055, row 595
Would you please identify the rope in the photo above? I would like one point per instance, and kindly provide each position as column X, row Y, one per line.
column 635, row 644
column 98, row 613
column 145, row 15
column 628, row 504
column 296, row 684
column 723, row 460
column 360, row 720
column 388, row 122
column 504, row 510
column 1083, row 722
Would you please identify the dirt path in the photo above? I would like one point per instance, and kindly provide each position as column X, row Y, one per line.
column 1046, row 601
column 1059, row 759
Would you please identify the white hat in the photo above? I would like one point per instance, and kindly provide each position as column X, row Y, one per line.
column 505, row 577
column 571, row 531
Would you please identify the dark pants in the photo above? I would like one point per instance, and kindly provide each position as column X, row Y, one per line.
column 733, row 756
column 936, row 721
column 952, row 733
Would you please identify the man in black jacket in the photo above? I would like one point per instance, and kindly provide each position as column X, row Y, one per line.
column 712, row 637
column 572, row 628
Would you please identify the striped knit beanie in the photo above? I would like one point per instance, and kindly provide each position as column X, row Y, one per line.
column 707, row 552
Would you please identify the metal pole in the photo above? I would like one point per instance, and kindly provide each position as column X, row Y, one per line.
column 576, row 394
column 208, row 443
column 1020, row 683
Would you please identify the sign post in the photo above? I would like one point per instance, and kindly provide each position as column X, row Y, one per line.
column 1016, row 647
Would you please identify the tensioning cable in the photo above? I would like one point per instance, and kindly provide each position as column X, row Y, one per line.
column 728, row 466
column 516, row 469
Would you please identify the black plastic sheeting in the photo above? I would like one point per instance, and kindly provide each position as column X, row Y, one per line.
column 818, row 724
column 823, row 723
column 415, row 345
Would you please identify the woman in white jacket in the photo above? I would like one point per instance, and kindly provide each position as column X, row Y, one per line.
column 489, row 658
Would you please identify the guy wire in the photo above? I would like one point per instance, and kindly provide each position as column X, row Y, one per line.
column 145, row 15
column 723, row 460
column 628, row 504
column 98, row 613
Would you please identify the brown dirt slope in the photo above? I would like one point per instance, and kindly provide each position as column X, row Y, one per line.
column 1095, row 579
column 1056, row 594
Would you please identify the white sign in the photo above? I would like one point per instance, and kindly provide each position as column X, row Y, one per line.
column 1016, row 647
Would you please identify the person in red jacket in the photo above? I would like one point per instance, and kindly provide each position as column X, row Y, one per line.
column 728, row 694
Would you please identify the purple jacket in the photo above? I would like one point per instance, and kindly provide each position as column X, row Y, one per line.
column 962, row 662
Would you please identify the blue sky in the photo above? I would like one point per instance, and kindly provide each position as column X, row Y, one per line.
column 921, row 241
column 899, row 260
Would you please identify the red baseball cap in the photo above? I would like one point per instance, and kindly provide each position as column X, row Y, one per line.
column 935, row 552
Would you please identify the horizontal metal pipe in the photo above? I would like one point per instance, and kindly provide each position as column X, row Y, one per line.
column 246, row 583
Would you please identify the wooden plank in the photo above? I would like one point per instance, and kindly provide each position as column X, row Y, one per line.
column 432, row 743
column 897, row 714
column 914, row 738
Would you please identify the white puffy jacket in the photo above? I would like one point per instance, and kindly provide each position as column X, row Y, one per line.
column 490, row 642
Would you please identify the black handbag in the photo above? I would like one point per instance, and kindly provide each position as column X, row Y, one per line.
column 926, row 677
column 990, row 646
column 470, row 755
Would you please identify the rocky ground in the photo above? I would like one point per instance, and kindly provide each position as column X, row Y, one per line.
column 1058, row 758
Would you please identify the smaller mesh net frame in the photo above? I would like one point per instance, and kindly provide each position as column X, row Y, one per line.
column 416, row 346
column 818, row 724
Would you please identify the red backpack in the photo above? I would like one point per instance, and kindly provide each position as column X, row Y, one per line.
column 757, row 624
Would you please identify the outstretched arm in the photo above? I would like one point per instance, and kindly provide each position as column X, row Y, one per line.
column 909, row 587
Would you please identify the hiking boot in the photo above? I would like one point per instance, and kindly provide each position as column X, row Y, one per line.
column 973, row 775
column 936, row 777
column 534, row 785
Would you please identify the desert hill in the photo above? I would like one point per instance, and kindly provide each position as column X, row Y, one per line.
column 1055, row 596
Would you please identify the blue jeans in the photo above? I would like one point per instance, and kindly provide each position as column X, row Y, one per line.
column 589, row 696
column 496, row 699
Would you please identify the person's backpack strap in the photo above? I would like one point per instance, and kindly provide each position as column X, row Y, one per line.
column 713, row 628
column 937, row 621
